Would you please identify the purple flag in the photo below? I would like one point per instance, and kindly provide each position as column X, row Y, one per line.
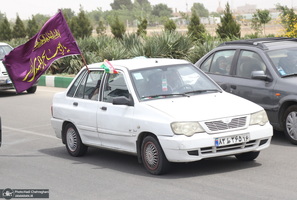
column 27, row 62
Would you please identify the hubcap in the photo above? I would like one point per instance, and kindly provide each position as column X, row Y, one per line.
column 151, row 156
column 291, row 125
column 71, row 139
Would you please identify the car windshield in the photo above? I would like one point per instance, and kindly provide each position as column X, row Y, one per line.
column 4, row 50
column 171, row 81
column 285, row 61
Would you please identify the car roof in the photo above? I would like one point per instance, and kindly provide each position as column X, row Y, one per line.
column 265, row 43
column 3, row 44
column 139, row 63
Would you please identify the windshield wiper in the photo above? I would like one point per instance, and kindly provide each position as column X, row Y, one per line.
column 164, row 95
column 202, row 91
column 288, row 75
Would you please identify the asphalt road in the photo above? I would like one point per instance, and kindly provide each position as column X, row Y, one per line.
column 33, row 158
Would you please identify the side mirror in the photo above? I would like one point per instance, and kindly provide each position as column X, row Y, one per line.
column 122, row 100
column 224, row 86
column 260, row 75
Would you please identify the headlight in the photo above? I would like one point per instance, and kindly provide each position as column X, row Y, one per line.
column 186, row 128
column 259, row 118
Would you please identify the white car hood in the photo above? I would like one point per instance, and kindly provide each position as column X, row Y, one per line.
column 204, row 106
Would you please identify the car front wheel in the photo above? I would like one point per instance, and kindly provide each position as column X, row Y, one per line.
column 153, row 157
column 290, row 124
column 74, row 145
column 249, row 156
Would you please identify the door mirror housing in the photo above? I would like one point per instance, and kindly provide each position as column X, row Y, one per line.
column 260, row 75
column 122, row 100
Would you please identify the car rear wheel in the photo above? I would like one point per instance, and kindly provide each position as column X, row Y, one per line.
column 153, row 157
column 74, row 145
column 32, row 89
column 290, row 124
column 249, row 156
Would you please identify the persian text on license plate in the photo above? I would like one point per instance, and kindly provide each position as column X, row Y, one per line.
column 236, row 139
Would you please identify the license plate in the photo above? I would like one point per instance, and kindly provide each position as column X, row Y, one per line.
column 236, row 139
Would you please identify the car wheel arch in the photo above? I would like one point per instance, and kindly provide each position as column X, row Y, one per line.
column 281, row 113
column 63, row 130
column 139, row 141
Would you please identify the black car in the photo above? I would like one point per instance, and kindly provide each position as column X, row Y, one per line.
column 263, row 70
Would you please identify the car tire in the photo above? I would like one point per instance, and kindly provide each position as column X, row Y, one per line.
column 153, row 157
column 249, row 156
column 290, row 124
column 32, row 89
column 74, row 145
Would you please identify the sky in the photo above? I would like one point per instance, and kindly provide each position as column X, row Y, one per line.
column 26, row 8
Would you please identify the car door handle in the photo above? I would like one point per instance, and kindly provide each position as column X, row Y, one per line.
column 233, row 87
column 75, row 103
column 103, row 108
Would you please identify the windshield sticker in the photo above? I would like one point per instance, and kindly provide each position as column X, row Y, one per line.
column 138, row 76
column 164, row 84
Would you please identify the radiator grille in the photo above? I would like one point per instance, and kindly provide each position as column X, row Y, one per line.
column 219, row 125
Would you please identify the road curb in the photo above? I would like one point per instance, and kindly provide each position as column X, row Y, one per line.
column 55, row 81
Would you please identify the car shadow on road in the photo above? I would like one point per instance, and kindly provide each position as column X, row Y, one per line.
column 101, row 159
column 10, row 93
column 280, row 139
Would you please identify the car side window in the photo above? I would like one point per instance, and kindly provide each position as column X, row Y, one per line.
column 87, row 85
column 75, row 85
column 219, row 63
column 93, row 84
column 249, row 61
column 115, row 86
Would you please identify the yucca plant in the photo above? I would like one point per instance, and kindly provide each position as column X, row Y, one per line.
column 68, row 65
column 202, row 48
column 16, row 42
column 114, row 51
column 168, row 44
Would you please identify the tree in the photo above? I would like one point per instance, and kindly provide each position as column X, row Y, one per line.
column 101, row 28
column 161, row 10
column 260, row 18
column 200, row 10
column 118, row 28
column 32, row 27
column 2, row 16
column 143, row 6
column 195, row 28
column 288, row 17
column 80, row 25
column 228, row 28
column 143, row 2
column 142, row 28
column 68, row 14
column 40, row 19
column 19, row 30
column 5, row 30
column 118, row 4
column 170, row 25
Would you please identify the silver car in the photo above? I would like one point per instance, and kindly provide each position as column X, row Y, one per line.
column 5, row 82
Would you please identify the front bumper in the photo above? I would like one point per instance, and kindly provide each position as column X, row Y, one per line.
column 181, row 148
column 6, row 84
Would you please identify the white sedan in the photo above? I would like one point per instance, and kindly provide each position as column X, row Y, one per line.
column 162, row 110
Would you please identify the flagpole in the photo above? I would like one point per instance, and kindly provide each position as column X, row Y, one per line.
column 84, row 61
